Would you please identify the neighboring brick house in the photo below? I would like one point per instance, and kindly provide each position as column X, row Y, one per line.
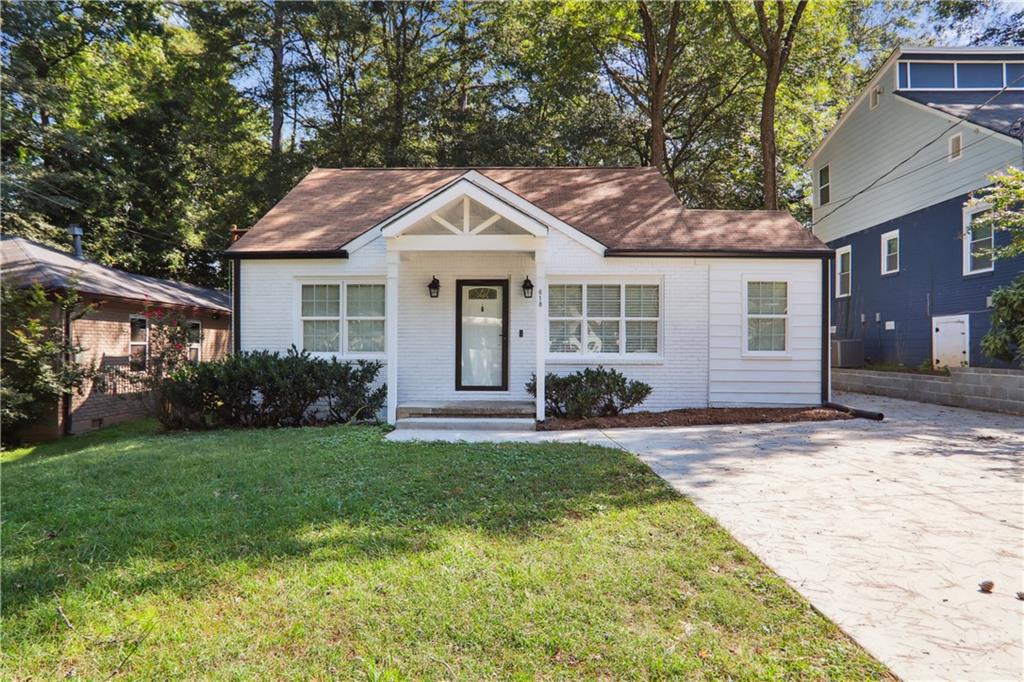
column 114, row 333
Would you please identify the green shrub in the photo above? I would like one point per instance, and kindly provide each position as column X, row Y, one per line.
column 589, row 393
column 262, row 389
column 1005, row 338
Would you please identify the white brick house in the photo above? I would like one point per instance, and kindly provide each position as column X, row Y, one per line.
column 536, row 270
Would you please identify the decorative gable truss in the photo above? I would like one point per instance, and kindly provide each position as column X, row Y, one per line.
column 471, row 213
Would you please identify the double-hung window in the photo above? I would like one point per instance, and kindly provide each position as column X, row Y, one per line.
column 331, row 323
column 767, row 316
column 195, row 341
column 824, row 185
column 979, row 243
column 604, row 319
column 138, row 343
column 844, row 271
column 891, row 252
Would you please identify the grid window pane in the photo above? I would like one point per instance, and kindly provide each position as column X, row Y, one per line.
column 321, row 300
column 642, row 300
column 603, row 300
column 981, row 253
column 137, row 357
column 931, row 75
column 641, row 336
column 892, row 262
column 564, row 336
column 979, row 75
column 767, row 298
column 320, row 336
column 366, row 336
column 365, row 300
column 565, row 300
column 603, row 336
column 138, row 330
column 766, row 334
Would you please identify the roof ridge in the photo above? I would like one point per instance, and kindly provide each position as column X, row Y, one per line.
column 467, row 168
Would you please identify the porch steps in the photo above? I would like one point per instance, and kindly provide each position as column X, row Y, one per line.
column 465, row 424
column 468, row 415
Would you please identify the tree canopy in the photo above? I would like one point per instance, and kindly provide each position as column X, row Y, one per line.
column 158, row 126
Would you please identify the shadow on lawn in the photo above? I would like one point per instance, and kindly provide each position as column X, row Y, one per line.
column 195, row 501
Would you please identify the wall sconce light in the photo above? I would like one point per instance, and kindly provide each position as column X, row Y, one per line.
column 527, row 288
column 434, row 287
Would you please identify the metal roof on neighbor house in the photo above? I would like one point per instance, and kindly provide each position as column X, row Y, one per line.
column 1004, row 114
column 628, row 210
column 30, row 263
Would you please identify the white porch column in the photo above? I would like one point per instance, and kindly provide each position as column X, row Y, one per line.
column 391, row 308
column 540, row 256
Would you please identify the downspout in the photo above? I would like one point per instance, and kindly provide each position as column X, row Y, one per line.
column 65, row 399
column 236, row 304
column 826, row 333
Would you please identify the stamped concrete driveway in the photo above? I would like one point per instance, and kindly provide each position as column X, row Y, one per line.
column 886, row 527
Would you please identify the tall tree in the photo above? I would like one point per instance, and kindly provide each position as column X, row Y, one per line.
column 772, row 44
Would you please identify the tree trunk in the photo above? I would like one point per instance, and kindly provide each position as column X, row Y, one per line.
column 769, row 151
column 277, row 96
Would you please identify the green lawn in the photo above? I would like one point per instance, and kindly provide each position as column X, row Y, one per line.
column 328, row 552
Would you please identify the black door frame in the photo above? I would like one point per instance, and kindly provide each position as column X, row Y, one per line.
column 459, row 284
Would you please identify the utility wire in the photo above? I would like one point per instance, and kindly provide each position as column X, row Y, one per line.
column 935, row 139
column 142, row 231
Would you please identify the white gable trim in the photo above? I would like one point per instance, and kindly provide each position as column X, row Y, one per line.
column 463, row 187
column 531, row 209
column 496, row 191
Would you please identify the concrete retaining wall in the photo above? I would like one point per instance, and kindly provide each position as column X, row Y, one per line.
column 979, row 388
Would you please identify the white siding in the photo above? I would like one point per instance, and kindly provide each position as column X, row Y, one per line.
column 736, row 379
column 870, row 142
column 700, row 361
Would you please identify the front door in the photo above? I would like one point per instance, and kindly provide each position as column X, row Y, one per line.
column 481, row 338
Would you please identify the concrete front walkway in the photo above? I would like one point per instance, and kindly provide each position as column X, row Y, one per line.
column 886, row 527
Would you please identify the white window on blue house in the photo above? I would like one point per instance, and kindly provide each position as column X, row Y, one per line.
column 767, row 316
column 891, row 252
column 844, row 271
column 602, row 319
column 824, row 184
column 979, row 243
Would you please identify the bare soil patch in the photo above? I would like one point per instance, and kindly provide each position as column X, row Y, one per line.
column 699, row 417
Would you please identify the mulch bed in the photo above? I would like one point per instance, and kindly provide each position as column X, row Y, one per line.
column 699, row 417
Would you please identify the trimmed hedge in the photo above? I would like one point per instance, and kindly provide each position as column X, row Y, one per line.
column 262, row 389
column 589, row 393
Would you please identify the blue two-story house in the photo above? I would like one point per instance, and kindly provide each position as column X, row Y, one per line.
column 911, row 278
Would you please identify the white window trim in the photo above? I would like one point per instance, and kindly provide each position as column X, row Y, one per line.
column 138, row 343
column 621, row 357
column 817, row 181
column 886, row 238
column 839, row 257
column 765, row 354
column 874, row 97
column 198, row 345
column 343, row 352
column 949, row 149
column 965, row 236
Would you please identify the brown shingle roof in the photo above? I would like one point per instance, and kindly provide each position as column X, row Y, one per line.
column 26, row 262
column 626, row 209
